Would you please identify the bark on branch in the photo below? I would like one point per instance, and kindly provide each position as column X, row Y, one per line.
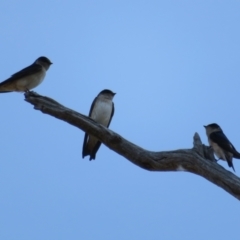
column 199, row 160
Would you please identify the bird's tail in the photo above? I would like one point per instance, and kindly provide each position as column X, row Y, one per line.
column 230, row 164
column 92, row 156
column 86, row 151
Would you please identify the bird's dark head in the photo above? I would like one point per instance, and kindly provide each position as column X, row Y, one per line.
column 213, row 127
column 44, row 61
column 108, row 93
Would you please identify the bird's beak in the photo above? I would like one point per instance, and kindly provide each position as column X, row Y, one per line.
column 204, row 126
column 114, row 93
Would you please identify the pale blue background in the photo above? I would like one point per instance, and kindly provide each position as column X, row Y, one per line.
column 175, row 68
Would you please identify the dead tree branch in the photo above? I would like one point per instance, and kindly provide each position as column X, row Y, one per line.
column 198, row 160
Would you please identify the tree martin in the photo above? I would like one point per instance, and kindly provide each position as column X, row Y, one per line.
column 102, row 110
column 28, row 78
column 222, row 147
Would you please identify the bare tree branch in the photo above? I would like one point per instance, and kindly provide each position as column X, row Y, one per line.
column 199, row 160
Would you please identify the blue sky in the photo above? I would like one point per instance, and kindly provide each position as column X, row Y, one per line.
column 174, row 66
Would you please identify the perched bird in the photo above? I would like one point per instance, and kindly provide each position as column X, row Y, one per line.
column 102, row 110
column 27, row 78
column 222, row 147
